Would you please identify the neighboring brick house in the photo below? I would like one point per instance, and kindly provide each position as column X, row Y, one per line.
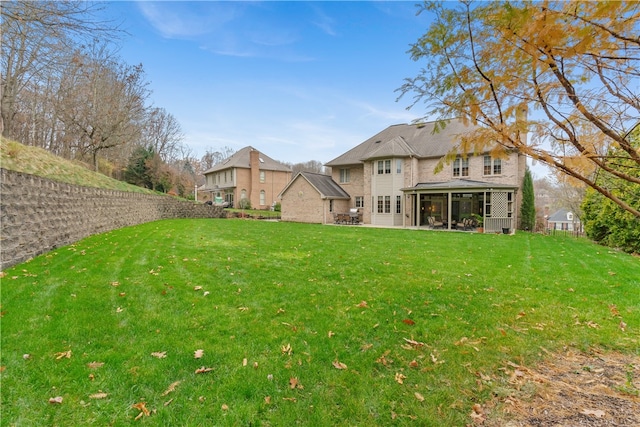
column 390, row 178
column 247, row 174
column 564, row 219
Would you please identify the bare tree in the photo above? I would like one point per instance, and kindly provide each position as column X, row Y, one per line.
column 37, row 39
column 163, row 133
column 101, row 103
column 310, row 166
column 212, row 158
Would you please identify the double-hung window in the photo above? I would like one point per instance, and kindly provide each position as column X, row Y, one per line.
column 384, row 204
column 345, row 175
column 461, row 167
column 492, row 166
column 384, row 167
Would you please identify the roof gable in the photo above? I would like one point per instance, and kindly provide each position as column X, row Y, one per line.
column 406, row 140
column 324, row 184
column 562, row 215
column 395, row 147
column 242, row 159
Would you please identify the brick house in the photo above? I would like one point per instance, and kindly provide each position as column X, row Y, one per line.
column 312, row 197
column 564, row 219
column 390, row 179
column 247, row 174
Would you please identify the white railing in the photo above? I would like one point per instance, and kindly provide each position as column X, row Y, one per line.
column 492, row 225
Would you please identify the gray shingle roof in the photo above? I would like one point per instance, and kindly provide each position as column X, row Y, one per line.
column 459, row 184
column 326, row 186
column 560, row 216
column 241, row 159
column 405, row 140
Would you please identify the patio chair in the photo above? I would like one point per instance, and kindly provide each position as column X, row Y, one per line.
column 435, row 224
column 467, row 224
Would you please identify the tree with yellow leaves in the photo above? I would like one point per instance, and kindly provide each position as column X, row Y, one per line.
column 558, row 81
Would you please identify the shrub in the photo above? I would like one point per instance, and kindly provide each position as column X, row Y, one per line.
column 244, row 204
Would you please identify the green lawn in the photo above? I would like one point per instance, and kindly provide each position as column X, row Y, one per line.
column 300, row 324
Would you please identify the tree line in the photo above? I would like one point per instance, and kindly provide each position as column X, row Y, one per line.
column 65, row 89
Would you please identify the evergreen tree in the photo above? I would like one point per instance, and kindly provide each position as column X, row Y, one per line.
column 137, row 171
column 605, row 221
column 528, row 208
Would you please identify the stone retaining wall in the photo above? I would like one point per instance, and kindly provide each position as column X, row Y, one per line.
column 38, row 215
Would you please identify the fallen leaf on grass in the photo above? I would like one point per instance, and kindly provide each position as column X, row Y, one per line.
column 400, row 378
column 623, row 326
column 477, row 414
column 245, row 362
column 171, row 388
column 167, row 402
column 521, row 315
column 197, row 288
column 412, row 343
column 225, row 407
column 409, row 322
column 435, row 360
column 55, row 400
column 339, row 365
column 294, row 383
column 198, row 354
column 419, row 396
column 267, row 400
column 63, row 355
column 142, row 407
column 99, row 395
column 413, row 363
column 614, row 310
column 593, row 412
column 330, row 334
column 593, row 325
column 159, row 354
column 286, row 349
column 363, row 304
column 203, row 370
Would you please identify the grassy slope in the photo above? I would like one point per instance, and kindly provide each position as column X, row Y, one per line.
column 333, row 294
column 37, row 161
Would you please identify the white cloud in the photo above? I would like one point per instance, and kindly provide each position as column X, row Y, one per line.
column 189, row 19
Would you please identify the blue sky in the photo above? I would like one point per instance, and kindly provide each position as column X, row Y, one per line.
column 299, row 81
